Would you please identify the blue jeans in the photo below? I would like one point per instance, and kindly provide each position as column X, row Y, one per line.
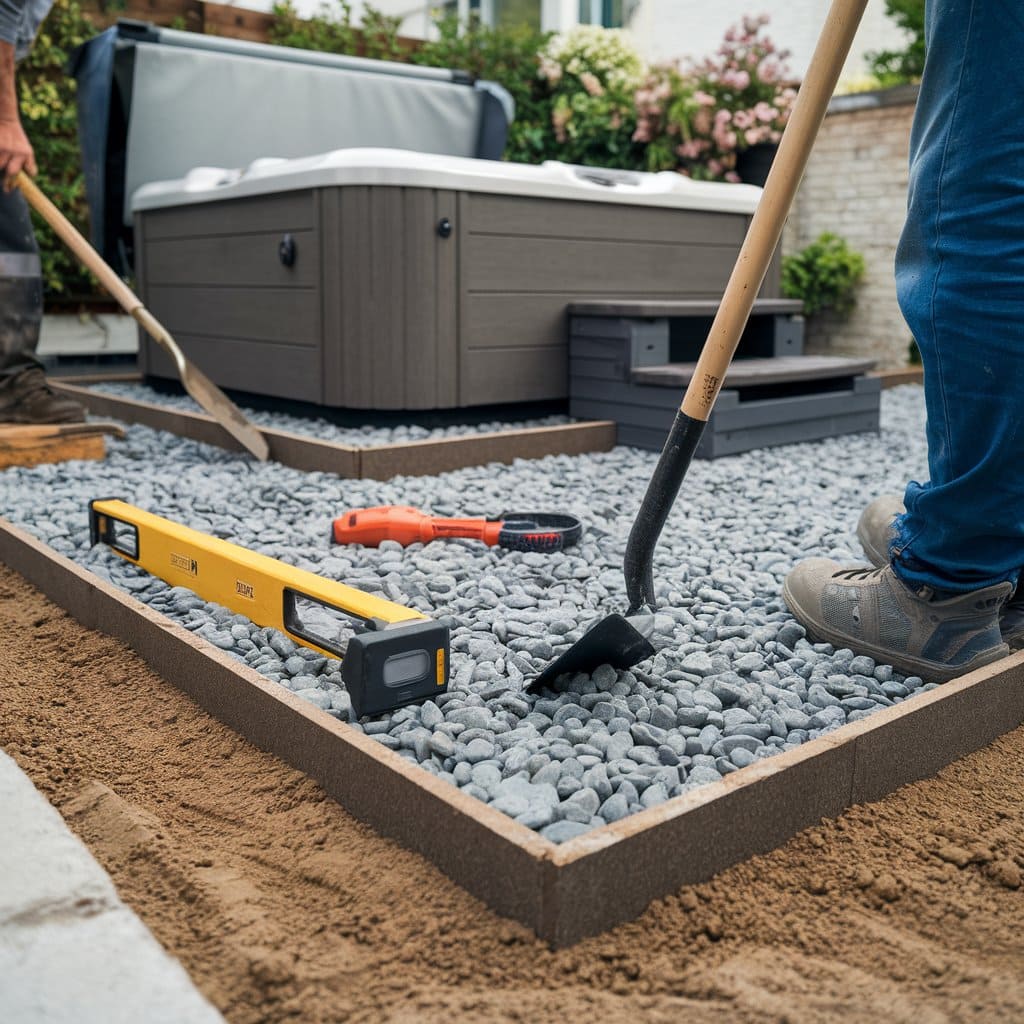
column 960, row 281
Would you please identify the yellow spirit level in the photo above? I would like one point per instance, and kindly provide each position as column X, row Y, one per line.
column 390, row 655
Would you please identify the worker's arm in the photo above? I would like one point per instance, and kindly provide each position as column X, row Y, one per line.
column 15, row 149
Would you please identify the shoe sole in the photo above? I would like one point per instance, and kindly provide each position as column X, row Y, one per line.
column 929, row 671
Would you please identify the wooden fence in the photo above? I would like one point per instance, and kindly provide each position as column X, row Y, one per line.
column 195, row 16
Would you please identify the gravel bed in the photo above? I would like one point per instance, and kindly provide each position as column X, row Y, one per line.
column 734, row 682
column 365, row 436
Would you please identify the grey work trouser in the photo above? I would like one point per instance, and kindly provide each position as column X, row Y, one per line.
column 21, row 287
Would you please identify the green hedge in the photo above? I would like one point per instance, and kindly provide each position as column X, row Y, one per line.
column 48, row 113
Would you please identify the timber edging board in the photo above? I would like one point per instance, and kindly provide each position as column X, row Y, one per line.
column 415, row 458
column 585, row 886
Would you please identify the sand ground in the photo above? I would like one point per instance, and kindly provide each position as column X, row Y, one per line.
column 284, row 908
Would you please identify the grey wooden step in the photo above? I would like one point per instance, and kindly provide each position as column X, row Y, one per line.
column 753, row 372
column 677, row 307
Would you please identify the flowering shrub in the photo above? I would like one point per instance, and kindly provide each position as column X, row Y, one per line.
column 592, row 74
column 665, row 105
column 700, row 119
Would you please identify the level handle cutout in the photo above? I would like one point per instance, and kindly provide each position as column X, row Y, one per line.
column 116, row 533
column 320, row 623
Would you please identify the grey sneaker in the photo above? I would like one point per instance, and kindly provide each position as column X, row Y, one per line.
column 871, row 612
column 875, row 532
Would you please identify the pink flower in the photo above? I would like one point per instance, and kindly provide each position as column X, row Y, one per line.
column 733, row 177
column 691, row 149
column 591, row 83
column 765, row 112
column 560, row 117
column 743, row 119
column 703, row 99
column 702, row 121
column 725, row 140
column 736, row 79
column 550, row 69
column 722, row 117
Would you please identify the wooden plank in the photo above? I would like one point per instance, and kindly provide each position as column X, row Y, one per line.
column 752, row 372
column 894, row 378
column 284, row 316
column 523, row 216
column 237, row 22
column 332, row 340
column 676, row 307
column 289, row 449
column 19, row 450
column 357, row 324
column 289, row 211
column 242, row 259
column 514, row 264
column 418, row 314
column 448, row 310
column 480, row 449
column 384, row 349
column 419, row 458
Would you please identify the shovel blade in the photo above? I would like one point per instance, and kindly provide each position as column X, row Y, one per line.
column 224, row 411
column 614, row 640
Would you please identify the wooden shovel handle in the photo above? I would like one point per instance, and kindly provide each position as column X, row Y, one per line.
column 126, row 298
column 770, row 217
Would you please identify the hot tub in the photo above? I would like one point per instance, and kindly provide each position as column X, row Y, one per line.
column 386, row 279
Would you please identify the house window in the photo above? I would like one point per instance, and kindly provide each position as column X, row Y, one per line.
column 511, row 13
column 505, row 13
column 601, row 12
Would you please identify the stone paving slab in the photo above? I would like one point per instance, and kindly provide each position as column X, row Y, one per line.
column 70, row 950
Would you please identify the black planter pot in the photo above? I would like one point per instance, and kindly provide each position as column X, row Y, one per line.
column 754, row 163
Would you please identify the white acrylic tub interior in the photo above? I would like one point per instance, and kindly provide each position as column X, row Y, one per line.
column 403, row 168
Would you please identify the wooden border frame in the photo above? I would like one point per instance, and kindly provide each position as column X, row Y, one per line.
column 415, row 458
column 561, row 892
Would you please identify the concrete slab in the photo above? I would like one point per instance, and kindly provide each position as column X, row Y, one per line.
column 70, row 950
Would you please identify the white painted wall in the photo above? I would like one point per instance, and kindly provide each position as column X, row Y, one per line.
column 418, row 16
column 670, row 29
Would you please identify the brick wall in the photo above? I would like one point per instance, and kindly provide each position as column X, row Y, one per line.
column 856, row 187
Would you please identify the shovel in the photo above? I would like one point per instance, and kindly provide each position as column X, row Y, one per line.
column 623, row 641
column 196, row 383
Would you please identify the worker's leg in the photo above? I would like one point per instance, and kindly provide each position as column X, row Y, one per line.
column 21, row 287
column 25, row 396
column 960, row 279
column 959, row 548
